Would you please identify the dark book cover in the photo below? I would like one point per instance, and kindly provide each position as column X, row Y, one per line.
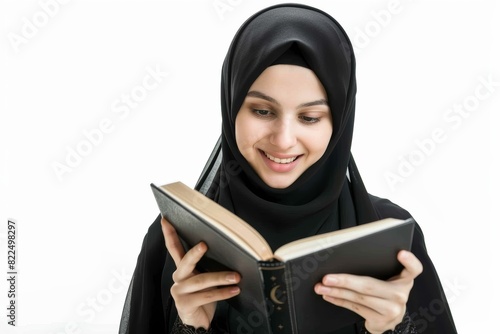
column 277, row 294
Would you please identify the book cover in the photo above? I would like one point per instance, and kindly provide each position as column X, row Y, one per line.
column 277, row 292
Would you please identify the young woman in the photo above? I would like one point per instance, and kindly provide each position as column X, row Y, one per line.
column 288, row 101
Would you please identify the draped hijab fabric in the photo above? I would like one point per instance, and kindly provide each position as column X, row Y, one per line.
column 329, row 195
column 310, row 205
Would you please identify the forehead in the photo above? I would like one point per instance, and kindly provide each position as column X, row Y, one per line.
column 289, row 81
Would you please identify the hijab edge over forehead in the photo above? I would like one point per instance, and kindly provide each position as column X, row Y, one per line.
column 344, row 46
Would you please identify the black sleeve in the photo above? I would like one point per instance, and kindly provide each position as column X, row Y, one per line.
column 180, row 328
column 146, row 304
column 405, row 327
column 427, row 305
column 149, row 307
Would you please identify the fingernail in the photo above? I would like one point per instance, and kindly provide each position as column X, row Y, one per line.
column 331, row 280
column 231, row 278
column 234, row 289
column 320, row 289
column 201, row 247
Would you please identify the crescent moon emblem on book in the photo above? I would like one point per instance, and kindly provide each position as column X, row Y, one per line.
column 274, row 298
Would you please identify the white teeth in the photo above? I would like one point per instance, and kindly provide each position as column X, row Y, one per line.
column 280, row 161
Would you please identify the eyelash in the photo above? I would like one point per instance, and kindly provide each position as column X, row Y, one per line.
column 304, row 119
column 310, row 120
column 258, row 112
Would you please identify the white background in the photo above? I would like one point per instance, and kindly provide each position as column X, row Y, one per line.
column 80, row 231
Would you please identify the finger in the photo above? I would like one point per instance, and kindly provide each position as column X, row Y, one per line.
column 172, row 241
column 412, row 265
column 186, row 266
column 395, row 291
column 391, row 316
column 363, row 285
column 345, row 295
column 207, row 281
column 364, row 311
column 201, row 298
column 372, row 305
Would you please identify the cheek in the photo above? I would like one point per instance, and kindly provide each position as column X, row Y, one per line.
column 243, row 133
column 248, row 131
column 318, row 141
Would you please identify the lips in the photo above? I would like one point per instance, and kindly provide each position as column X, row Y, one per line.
column 281, row 160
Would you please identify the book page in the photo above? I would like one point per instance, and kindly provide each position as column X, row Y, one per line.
column 222, row 219
column 315, row 243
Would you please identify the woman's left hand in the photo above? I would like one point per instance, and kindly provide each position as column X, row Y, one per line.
column 381, row 303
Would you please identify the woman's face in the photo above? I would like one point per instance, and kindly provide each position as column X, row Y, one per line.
column 284, row 124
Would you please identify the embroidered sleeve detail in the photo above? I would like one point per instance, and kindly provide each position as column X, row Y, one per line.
column 180, row 328
column 404, row 327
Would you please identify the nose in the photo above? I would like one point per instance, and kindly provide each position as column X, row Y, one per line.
column 283, row 134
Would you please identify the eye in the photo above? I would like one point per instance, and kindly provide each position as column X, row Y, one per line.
column 309, row 120
column 262, row 112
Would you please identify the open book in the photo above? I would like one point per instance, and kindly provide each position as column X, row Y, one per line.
column 277, row 294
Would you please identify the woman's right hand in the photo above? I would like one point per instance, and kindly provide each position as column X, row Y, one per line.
column 196, row 294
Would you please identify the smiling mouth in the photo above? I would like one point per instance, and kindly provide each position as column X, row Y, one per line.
column 281, row 161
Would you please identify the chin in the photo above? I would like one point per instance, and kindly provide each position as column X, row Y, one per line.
column 279, row 183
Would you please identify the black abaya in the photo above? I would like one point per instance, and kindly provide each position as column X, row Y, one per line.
column 324, row 195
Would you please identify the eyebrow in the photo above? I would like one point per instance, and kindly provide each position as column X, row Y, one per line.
column 319, row 102
column 255, row 93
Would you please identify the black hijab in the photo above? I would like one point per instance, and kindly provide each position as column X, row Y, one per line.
column 322, row 199
column 312, row 203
